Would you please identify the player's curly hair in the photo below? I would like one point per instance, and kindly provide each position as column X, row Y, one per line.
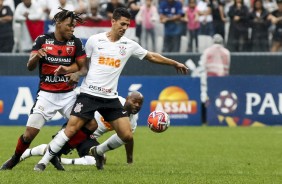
column 64, row 14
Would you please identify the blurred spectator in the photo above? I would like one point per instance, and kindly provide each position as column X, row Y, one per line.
column 6, row 28
column 260, row 25
column 134, row 7
column 170, row 15
column 9, row 3
column 205, row 18
column 26, row 10
column 214, row 62
column 148, row 16
column 94, row 13
column 238, row 29
column 193, row 25
column 219, row 18
column 63, row 4
column 80, row 6
column 270, row 5
column 46, row 6
column 111, row 6
column 276, row 19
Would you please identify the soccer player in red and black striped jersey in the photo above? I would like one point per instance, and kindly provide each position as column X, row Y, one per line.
column 55, row 94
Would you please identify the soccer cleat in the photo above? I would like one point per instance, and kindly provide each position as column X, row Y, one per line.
column 99, row 159
column 39, row 167
column 9, row 164
column 57, row 164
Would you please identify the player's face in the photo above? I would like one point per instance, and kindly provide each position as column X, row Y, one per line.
column 66, row 28
column 133, row 104
column 120, row 26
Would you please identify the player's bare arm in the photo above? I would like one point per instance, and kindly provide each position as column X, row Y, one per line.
column 34, row 58
column 159, row 59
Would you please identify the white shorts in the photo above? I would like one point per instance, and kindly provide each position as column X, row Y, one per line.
column 48, row 104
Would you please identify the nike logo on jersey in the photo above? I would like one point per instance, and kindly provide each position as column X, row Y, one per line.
column 99, row 48
column 124, row 112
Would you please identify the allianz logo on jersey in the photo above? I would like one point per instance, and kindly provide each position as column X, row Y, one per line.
column 55, row 79
column 109, row 61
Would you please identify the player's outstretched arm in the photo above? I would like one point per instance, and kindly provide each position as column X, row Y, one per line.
column 129, row 151
column 34, row 58
column 159, row 59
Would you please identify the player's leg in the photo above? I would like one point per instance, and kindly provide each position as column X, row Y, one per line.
column 83, row 152
column 74, row 124
column 86, row 160
column 34, row 124
column 36, row 151
column 124, row 135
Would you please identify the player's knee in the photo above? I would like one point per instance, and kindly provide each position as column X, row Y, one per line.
column 28, row 137
column 127, row 137
column 71, row 130
column 30, row 134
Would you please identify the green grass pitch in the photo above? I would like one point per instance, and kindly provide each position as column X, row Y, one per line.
column 179, row 155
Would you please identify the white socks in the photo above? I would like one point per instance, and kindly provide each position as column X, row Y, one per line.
column 36, row 151
column 54, row 147
column 86, row 160
column 111, row 143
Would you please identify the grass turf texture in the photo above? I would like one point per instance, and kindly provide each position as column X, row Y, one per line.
column 179, row 155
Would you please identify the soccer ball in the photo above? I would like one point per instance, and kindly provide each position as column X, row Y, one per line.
column 158, row 121
column 227, row 102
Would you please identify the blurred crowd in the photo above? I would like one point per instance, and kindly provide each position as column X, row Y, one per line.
column 245, row 25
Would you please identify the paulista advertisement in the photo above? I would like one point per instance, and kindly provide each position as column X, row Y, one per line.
column 245, row 101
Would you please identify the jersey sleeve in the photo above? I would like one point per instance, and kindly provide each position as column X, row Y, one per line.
column 39, row 41
column 80, row 51
column 89, row 47
column 138, row 51
column 133, row 122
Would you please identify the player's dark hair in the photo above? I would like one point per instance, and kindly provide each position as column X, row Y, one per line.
column 121, row 12
column 64, row 14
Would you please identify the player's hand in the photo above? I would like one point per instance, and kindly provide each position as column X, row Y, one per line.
column 41, row 53
column 60, row 70
column 73, row 79
column 182, row 68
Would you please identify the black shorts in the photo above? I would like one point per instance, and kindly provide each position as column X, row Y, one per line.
column 86, row 105
column 83, row 148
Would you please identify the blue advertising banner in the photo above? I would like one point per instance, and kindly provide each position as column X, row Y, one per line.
column 178, row 96
column 245, row 101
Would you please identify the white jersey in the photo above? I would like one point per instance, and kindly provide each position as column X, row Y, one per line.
column 104, row 126
column 107, row 62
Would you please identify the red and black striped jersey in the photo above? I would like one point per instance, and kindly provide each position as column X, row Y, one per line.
column 58, row 53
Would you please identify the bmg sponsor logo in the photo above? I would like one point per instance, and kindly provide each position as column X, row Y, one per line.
column 175, row 101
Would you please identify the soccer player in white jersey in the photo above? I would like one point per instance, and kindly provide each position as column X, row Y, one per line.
column 132, row 104
column 108, row 53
